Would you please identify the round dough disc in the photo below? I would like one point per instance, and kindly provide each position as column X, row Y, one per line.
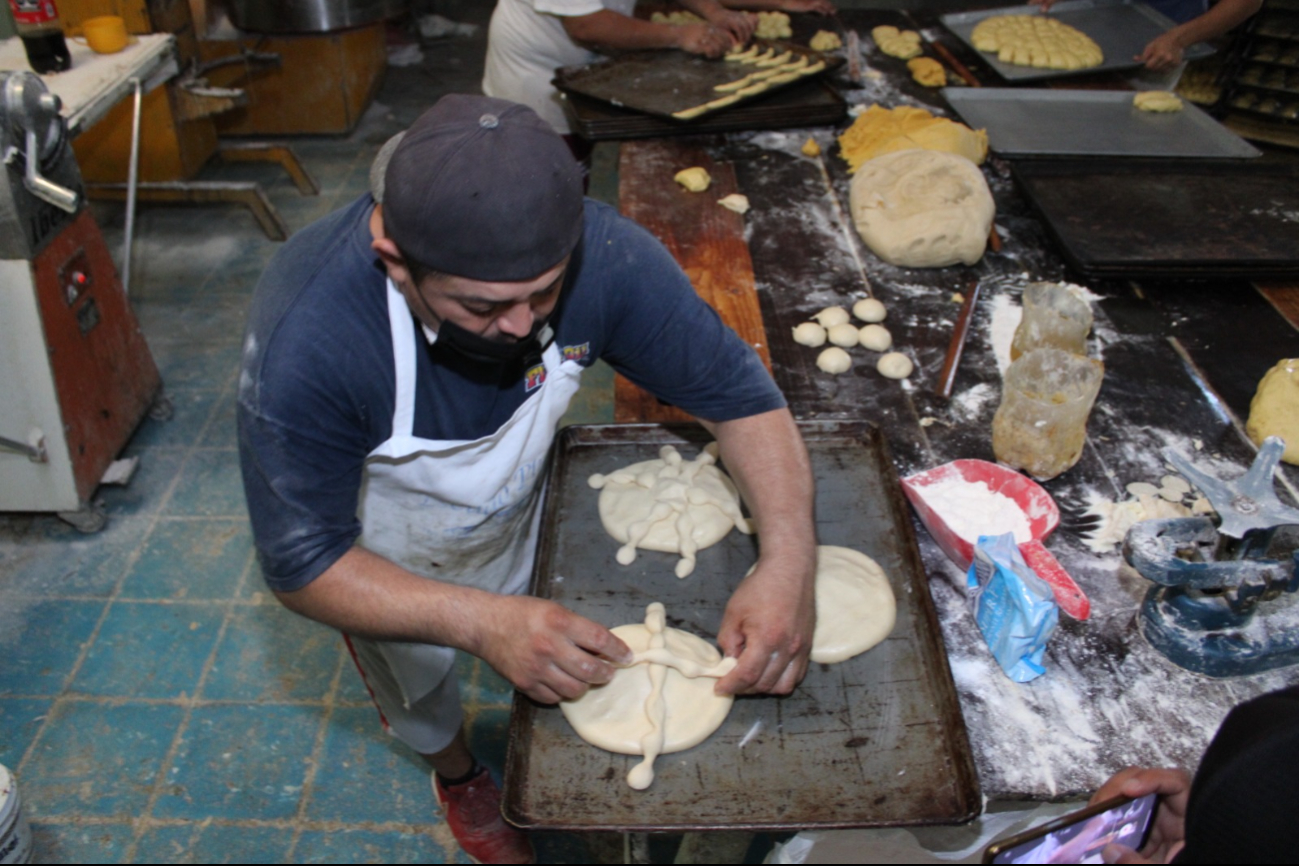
column 855, row 607
column 621, row 505
column 612, row 716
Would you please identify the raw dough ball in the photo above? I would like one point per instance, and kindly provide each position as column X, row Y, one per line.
column 1160, row 101
column 855, row 607
column 694, row 179
column 831, row 316
column 875, row 337
column 811, row 148
column 648, row 505
column 834, row 360
column 1275, row 409
column 843, row 334
column 927, row 71
column 825, row 40
column 895, row 365
column 735, row 202
column 810, row 334
column 922, row 208
column 896, row 43
column 612, row 716
column 869, row 310
column 1142, row 488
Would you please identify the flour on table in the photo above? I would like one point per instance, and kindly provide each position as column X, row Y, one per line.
column 670, row 504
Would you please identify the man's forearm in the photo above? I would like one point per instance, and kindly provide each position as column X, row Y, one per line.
column 369, row 596
column 1220, row 18
column 766, row 457
column 606, row 29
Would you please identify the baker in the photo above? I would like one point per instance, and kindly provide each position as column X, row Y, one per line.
column 529, row 39
column 404, row 370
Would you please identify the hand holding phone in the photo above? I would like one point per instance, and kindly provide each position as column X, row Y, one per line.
column 1081, row 836
column 1168, row 832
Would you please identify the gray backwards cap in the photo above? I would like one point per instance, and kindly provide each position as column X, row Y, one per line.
column 485, row 189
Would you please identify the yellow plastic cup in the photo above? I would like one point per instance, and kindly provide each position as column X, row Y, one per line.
column 105, row 34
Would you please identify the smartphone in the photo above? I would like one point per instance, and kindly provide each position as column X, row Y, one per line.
column 1079, row 837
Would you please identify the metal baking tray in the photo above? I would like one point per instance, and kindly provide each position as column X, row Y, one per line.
column 1034, row 123
column 1163, row 219
column 812, row 103
column 878, row 740
column 661, row 82
column 1122, row 28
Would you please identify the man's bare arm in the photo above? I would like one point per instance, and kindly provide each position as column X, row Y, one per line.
column 608, row 30
column 769, row 621
column 545, row 650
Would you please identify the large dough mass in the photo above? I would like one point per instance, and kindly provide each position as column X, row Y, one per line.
column 855, row 607
column 922, row 208
column 613, row 716
column 1275, row 408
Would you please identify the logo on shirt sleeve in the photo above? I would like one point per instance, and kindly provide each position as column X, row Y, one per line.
column 577, row 353
column 536, row 377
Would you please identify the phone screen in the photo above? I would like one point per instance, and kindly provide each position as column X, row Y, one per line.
column 1080, row 837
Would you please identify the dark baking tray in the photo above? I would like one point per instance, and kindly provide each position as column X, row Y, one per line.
column 1121, row 28
column 1201, row 219
column 811, row 103
column 876, row 741
column 662, row 82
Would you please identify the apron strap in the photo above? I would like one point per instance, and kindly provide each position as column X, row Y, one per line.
column 403, row 355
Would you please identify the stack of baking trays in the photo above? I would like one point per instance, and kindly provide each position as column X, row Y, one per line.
column 1129, row 193
column 1266, row 84
column 656, row 93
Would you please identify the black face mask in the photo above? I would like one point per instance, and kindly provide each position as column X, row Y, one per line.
column 493, row 353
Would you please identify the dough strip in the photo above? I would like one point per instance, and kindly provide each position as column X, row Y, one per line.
column 642, row 775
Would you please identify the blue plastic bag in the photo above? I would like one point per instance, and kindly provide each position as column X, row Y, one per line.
column 1015, row 609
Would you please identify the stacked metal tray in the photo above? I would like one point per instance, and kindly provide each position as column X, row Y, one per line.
column 878, row 740
column 1122, row 29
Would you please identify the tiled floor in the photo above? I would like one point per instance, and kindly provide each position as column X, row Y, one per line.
column 156, row 702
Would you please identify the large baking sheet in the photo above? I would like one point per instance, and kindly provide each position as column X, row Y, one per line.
column 878, row 740
column 812, row 103
column 1090, row 123
column 663, row 82
column 1122, row 28
column 1161, row 219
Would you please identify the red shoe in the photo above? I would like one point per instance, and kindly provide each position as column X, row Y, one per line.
column 473, row 811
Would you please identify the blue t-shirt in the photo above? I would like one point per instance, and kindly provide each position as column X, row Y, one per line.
column 318, row 384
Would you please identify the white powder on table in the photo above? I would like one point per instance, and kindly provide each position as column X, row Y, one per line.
column 972, row 508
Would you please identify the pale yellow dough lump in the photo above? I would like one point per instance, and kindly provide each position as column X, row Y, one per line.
column 879, row 130
column 773, row 25
column 903, row 44
column 825, row 40
column 1039, row 41
column 1159, row 101
column 927, row 71
column 694, row 179
column 855, row 606
column 1275, row 409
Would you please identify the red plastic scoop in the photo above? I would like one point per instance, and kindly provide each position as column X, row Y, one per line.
column 1037, row 505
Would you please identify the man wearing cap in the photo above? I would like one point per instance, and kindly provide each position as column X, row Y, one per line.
column 404, row 371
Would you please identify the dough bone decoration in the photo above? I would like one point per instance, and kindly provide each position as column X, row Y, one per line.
column 671, row 505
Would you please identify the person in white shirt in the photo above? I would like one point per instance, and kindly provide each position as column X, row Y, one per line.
column 530, row 39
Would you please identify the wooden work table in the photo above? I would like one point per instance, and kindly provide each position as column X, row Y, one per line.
column 1182, row 363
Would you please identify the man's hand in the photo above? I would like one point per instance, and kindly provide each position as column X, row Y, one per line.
column 820, row 7
column 548, row 652
column 1163, row 52
column 1045, row 4
column 768, row 627
column 703, row 39
column 739, row 25
column 1168, row 834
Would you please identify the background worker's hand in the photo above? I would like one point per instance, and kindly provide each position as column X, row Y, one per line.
column 548, row 652
column 739, row 25
column 1045, row 4
column 768, row 628
column 820, row 7
column 1168, row 834
column 704, row 39
column 1163, row 52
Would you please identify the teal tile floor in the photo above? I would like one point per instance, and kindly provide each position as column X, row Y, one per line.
column 156, row 702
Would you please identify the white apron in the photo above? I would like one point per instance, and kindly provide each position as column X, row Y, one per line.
column 463, row 512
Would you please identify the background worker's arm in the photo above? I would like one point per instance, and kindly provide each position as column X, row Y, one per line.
column 608, row 30
column 545, row 650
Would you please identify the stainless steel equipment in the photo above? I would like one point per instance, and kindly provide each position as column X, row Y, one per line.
column 309, row 16
column 75, row 374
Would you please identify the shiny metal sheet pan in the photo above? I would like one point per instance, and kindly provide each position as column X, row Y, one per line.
column 1032, row 123
column 1120, row 27
column 876, row 741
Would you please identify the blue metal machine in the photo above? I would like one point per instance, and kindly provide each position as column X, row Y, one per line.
column 1211, row 583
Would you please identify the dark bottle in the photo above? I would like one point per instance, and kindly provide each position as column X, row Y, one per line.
column 37, row 23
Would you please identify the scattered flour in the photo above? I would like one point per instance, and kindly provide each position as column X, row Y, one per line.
column 1006, row 315
column 970, row 405
column 971, row 509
